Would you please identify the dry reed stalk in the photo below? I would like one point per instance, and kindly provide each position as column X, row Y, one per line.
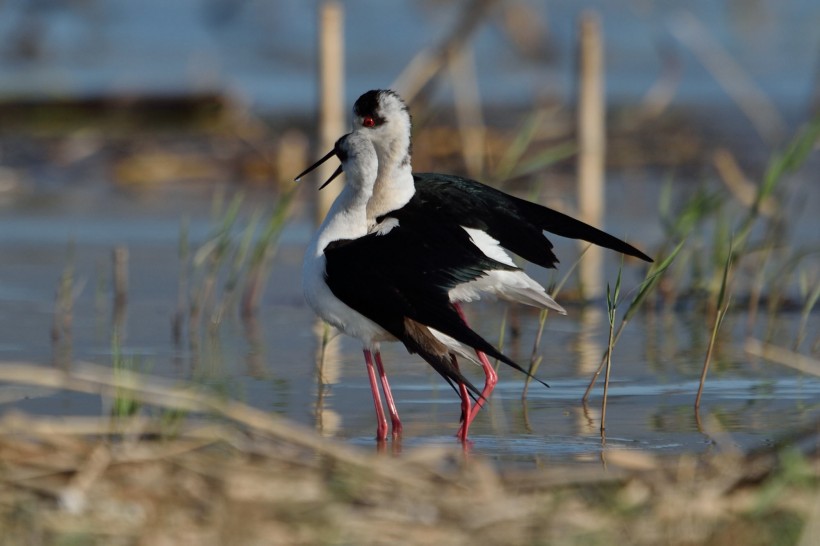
column 183, row 249
column 120, row 265
column 258, row 496
column 291, row 157
column 591, row 147
column 743, row 189
column 331, row 95
column 94, row 379
column 780, row 355
column 721, row 308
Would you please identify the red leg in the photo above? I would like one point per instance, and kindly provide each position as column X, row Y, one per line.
column 381, row 426
column 490, row 380
column 388, row 396
column 465, row 407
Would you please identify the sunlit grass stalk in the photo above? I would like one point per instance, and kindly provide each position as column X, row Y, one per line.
column 722, row 306
column 645, row 288
column 612, row 307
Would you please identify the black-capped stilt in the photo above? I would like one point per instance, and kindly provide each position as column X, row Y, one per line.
column 404, row 294
column 496, row 222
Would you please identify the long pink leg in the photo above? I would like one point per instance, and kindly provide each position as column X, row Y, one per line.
column 465, row 407
column 490, row 380
column 388, row 396
column 381, row 426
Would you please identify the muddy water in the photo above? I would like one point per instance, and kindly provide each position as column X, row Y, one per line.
column 271, row 362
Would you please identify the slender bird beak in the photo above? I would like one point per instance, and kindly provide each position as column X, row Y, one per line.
column 336, row 173
column 330, row 154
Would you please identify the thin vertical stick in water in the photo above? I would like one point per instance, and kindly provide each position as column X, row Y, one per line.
column 331, row 95
column 645, row 288
column 591, row 146
column 183, row 250
column 720, row 312
column 120, row 257
column 120, row 265
column 612, row 307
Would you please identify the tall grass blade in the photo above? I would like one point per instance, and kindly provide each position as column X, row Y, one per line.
column 545, row 158
column 779, row 166
column 612, row 306
column 644, row 289
column 519, row 145
column 721, row 308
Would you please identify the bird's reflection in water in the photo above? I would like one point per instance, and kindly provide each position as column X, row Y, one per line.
column 328, row 372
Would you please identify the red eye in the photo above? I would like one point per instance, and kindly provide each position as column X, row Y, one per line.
column 368, row 121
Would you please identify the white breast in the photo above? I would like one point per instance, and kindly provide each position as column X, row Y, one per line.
column 330, row 308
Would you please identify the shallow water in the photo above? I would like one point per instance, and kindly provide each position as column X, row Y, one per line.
column 271, row 363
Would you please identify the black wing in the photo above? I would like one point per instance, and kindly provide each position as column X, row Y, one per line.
column 400, row 280
column 515, row 223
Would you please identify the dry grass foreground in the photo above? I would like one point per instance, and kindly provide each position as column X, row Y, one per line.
column 208, row 471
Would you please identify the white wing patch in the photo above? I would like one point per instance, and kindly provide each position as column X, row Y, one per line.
column 514, row 286
column 488, row 246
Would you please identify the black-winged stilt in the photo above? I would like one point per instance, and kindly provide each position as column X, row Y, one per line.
column 496, row 222
column 405, row 294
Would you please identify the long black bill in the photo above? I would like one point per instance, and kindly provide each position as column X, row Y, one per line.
column 330, row 154
column 333, row 176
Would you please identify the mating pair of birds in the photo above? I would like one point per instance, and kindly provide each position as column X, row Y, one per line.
column 398, row 252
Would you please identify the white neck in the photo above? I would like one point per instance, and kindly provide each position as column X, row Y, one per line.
column 394, row 188
column 394, row 184
column 346, row 219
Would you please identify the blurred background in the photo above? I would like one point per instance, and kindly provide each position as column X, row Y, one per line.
column 149, row 219
column 263, row 54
